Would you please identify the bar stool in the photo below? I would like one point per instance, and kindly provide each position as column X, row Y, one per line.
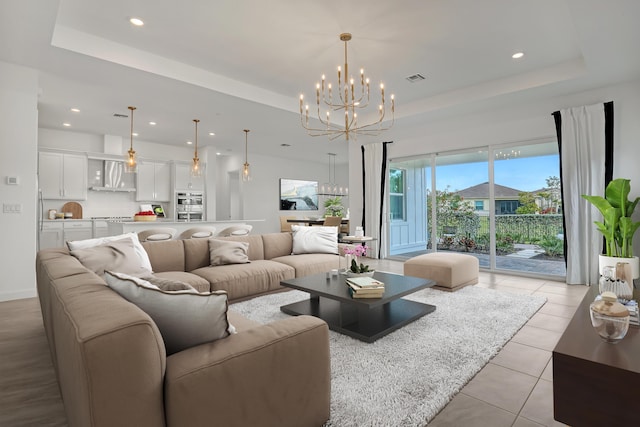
column 156, row 234
column 198, row 233
column 236, row 230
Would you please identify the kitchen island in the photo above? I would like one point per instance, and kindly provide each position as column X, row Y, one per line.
column 121, row 227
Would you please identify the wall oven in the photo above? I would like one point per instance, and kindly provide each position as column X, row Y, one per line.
column 190, row 206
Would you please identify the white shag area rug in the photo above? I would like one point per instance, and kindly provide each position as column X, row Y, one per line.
column 408, row 376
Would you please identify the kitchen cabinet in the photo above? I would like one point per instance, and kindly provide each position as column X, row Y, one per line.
column 50, row 235
column 100, row 229
column 185, row 181
column 77, row 230
column 153, row 182
column 62, row 176
column 54, row 234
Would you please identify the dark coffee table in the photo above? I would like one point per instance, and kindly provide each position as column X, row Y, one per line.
column 363, row 319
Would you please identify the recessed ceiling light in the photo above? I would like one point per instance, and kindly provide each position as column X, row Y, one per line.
column 66, row 124
column 211, row 134
column 189, row 142
column 152, row 123
column 218, row 153
column 134, row 134
column 517, row 55
column 75, row 110
column 137, row 22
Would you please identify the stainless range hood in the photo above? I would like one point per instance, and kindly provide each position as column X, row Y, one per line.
column 108, row 175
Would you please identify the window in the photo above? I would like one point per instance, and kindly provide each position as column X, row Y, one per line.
column 479, row 205
column 397, row 194
column 506, row 207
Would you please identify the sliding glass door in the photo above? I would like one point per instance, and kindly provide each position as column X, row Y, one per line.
column 500, row 204
column 461, row 222
column 528, row 209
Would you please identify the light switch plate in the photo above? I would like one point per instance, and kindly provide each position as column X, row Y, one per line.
column 11, row 208
column 13, row 180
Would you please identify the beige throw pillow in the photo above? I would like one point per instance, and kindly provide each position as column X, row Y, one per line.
column 314, row 240
column 89, row 243
column 184, row 318
column 223, row 252
column 117, row 255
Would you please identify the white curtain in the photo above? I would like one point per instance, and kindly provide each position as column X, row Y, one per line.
column 375, row 196
column 583, row 172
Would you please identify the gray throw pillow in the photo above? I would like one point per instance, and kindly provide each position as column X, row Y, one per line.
column 168, row 285
column 118, row 255
column 184, row 318
column 222, row 252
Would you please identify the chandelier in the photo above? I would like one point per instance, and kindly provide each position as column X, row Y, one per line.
column 246, row 174
column 131, row 165
column 196, row 170
column 330, row 188
column 506, row 155
column 347, row 99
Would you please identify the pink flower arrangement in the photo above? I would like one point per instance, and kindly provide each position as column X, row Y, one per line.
column 356, row 250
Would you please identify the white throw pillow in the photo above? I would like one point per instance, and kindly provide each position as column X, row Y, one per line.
column 137, row 246
column 117, row 255
column 314, row 240
column 185, row 318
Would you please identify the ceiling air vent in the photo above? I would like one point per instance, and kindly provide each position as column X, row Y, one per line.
column 415, row 78
column 120, row 116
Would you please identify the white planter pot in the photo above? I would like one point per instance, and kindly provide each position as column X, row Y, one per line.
column 610, row 261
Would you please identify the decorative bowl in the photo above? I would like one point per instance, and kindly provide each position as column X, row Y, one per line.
column 367, row 274
column 144, row 217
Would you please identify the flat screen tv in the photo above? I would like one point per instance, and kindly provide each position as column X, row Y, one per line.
column 298, row 195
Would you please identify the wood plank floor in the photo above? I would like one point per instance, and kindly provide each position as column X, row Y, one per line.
column 29, row 394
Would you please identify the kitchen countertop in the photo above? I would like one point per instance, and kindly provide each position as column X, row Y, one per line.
column 172, row 221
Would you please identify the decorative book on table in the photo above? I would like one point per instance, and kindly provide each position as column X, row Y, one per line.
column 364, row 282
column 365, row 287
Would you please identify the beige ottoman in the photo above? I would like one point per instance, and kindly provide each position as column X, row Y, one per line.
column 450, row 270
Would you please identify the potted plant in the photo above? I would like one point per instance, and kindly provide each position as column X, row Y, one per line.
column 333, row 207
column 354, row 268
column 618, row 228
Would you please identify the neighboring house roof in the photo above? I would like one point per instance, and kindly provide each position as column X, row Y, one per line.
column 481, row 191
column 547, row 190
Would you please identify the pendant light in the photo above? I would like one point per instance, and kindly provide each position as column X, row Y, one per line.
column 195, row 167
column 246, row 174
column 131, row 165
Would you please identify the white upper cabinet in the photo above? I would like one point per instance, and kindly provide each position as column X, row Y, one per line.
column 62, row 176
column 153, row 182
column 185, row 181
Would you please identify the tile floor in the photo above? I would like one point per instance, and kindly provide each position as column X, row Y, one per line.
column 516, row 387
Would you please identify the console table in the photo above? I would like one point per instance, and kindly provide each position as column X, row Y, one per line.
column 595, row 383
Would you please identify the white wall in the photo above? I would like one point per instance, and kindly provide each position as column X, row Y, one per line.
column 529, row 120
column 18, row 158
column 261, row 196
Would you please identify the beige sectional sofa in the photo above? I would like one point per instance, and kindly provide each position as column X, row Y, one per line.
column 110, row 357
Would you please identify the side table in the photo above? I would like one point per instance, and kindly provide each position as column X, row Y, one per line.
column 595, row 383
